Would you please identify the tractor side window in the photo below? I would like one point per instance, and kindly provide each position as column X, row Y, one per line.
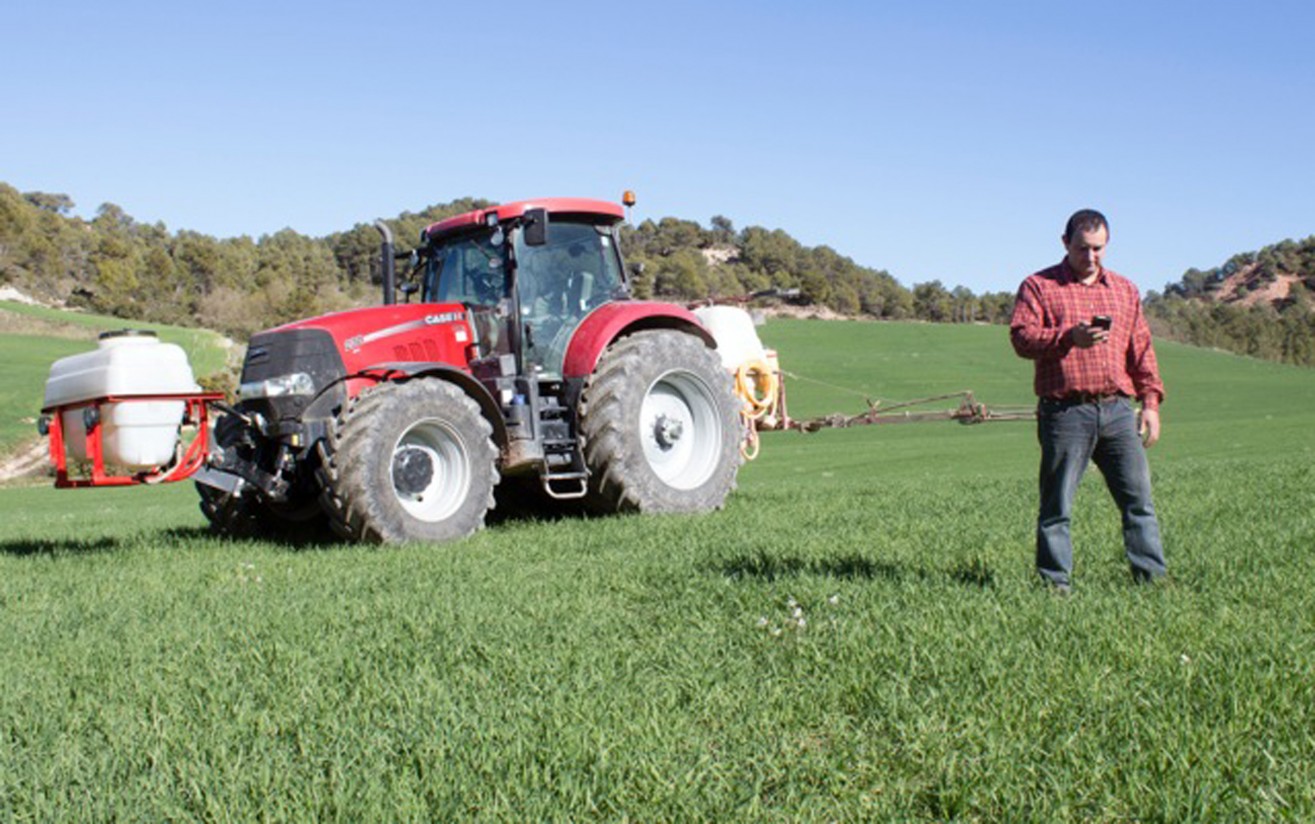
column 469, row 271
column 472, row 271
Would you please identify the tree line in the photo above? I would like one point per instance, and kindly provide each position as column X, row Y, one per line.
column 119, row 266
column 116, row 265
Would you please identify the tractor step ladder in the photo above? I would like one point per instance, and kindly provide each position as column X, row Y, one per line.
column 579, row 482
column 565, row 476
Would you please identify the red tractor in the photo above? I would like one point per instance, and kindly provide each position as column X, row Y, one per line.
column 522, row 356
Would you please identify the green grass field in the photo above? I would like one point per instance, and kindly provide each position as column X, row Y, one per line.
column 857, row 636
column 33, row 337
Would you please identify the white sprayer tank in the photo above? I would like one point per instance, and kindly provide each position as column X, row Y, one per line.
column 138, row 433
column 732, row 328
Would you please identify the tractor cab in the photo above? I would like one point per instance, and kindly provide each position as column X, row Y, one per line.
column 527, row 286
column 529, row 274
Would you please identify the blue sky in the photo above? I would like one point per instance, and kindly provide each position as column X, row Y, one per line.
column 936, row 140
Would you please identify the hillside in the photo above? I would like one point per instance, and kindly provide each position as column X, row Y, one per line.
column 116, row 265
column 1257, row 303
column 1277, row 276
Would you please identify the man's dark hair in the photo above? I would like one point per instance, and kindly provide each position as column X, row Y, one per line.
column 1085, row 220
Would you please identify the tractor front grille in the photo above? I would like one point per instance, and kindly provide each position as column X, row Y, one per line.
column 278, row 354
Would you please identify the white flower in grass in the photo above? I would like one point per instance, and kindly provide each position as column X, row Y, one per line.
column 833, row 600
column 800, row 622
column 762, row 620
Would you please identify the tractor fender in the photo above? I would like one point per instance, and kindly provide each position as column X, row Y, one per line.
column 614, row 320
column 409, row 370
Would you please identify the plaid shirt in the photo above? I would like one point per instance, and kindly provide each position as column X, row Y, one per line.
column 1053, row 301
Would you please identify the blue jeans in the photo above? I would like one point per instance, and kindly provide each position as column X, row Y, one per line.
column 1071, row 435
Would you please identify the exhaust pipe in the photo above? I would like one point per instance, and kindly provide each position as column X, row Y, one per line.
column 388, row 271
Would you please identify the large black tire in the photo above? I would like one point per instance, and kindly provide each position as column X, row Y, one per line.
column 410, row 461
column 661, row 426
column 249, row 516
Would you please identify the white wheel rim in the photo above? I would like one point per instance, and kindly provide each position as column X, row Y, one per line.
column 450, row 481
column 679, row 427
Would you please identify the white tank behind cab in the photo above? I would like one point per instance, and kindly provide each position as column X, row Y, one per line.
column 134, row 433
column 732, row 328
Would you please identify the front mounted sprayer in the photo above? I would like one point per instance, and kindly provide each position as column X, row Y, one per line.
column 120, row 410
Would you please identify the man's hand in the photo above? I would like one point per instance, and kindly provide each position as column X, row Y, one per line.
column 1149, row 427
column 1086, row 336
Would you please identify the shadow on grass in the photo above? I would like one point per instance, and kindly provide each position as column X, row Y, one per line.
column 291, row 537
column 522, row 500
column 309, row 540
column 765, row 567
column 24, row 548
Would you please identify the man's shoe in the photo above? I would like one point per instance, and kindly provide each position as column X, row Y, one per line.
column 1143, row 581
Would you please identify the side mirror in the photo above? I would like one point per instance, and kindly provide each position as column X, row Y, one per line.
column 536, row 227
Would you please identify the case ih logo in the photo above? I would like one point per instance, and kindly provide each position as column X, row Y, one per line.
column 354, row 344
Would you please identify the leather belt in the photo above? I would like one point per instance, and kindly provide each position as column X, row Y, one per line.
column 1087, row 397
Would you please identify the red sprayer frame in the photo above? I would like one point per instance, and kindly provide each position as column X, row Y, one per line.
column 196, row 413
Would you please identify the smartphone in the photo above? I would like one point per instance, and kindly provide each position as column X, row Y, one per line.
column 1101, row 322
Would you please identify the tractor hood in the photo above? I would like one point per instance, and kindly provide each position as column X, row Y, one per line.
column 400, row 333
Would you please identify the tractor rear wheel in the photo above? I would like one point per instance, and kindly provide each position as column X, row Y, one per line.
column 410, row 461
column 661, row 426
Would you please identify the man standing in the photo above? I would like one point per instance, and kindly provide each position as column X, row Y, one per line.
column 1082, row 326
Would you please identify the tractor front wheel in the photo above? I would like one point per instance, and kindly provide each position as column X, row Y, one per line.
column 249, row 516
column 297, row 519
column 661, row 426
column 410, row 461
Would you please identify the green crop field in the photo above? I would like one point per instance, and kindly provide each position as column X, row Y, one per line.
column 856, row 637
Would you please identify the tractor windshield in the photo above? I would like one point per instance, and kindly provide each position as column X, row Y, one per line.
column 561, row 282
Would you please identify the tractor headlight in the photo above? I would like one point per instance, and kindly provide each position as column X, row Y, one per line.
column 298, row 383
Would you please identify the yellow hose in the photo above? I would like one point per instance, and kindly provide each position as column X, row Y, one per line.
column 756, row 384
